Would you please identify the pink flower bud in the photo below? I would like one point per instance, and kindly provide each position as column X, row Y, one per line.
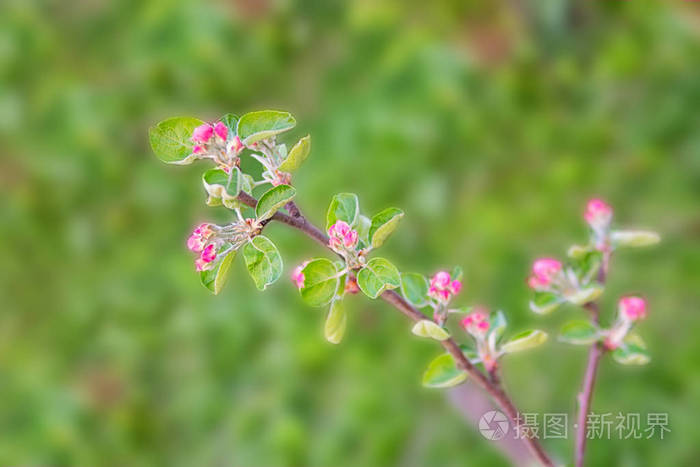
column 298, row 275
column 442, row 287
column 544, row 270
column 200, row 264
column 221, row 131
column 197, row 149
column 632, row 308
column 236, row 144
column 351, row 286
column 199, row 237
column 341, row 235
column 598, row 214
column 476, row 323
column 202, row 133
column 208, row 253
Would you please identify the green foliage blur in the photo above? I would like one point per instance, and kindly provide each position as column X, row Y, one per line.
column 489, row 123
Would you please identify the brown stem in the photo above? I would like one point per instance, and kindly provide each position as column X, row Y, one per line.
column 298, row 221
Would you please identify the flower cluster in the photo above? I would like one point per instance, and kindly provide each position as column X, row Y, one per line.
column 343, row 238
column 443, row 287
column 213, row 241
column 630, row 310
column 476, row 323
column 213, row 142
column 545, row 271
column 199, row 242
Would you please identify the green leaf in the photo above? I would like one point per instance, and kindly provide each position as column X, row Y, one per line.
column 498, row 323
column 471, row 354
column 414, row 288
column 383, row 224
column 634, row 238
column 427, row 328
column 221, row 185
column 231, row 122
column 272, row 200
column 263, row 261
column 297, row 155
column 170, row 139
column 579, row 332
column 545, row 302
column 362, row 227
column 443, row 372
column 578, row 251
column 214, row 279
column 586, row 266
column 377, row 276
column 457, row 273
column 631, row 354
column 336, row 321
column 256, row 126
column 320, row 282
column 525, row 340
column 344, row 207
column 583, row 296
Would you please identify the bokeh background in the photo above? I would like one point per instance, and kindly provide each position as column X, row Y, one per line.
column 489, row 123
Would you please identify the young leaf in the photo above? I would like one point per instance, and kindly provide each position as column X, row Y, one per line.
column 231, row 122
column 498, row 324
column 343, row 207
column 221, row 185
column 427, row 328
column 634, row 238
column 524, row 340
column 362, row 227
column 377, row 276
column 336, row 321
column 414, row 288
column 297, row 155
column 631, row 354
column 578, row 251
column 545, row 302
column 583, row 296
column 320, row 282
column 214, row 279
column 170, row 139
column 383, row 224
column 272, row 200
column 256, row 126
column 263, row 261
column 457, row 273
column 442, row 372
column 579, row 332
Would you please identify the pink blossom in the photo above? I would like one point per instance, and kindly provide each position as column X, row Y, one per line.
column 200, row 264
column 208, row 253
column 632, row 308
column 298, row 275
column 197, row 149
column 202, row 133
column 198, row 239
column 544, row 270
column 221, row 131
column 598, row 214
column 442, row 287
column 341, row 235
column 236, row 144
column 476, row 323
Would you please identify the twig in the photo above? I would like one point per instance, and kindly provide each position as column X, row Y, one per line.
column 298, row 221
column 586, row 394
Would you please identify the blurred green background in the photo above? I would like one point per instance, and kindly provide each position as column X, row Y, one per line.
column 490, row 123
